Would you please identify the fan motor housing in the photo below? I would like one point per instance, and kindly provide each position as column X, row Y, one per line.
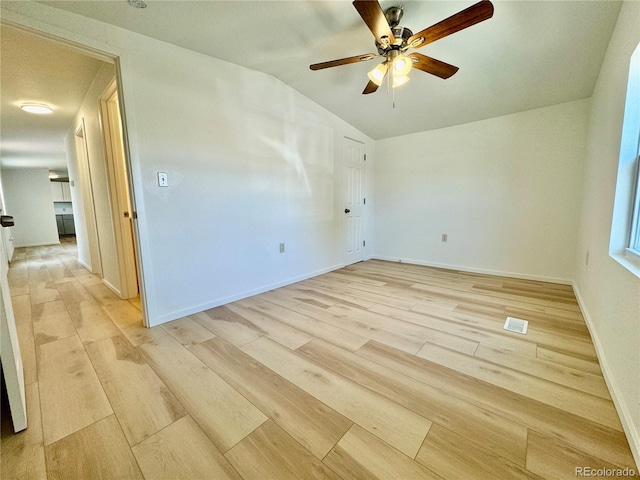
column 401, row 34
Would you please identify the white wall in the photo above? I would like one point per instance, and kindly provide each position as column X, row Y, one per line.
column 27, row 194
column 78, row 202
column 609, row 293
column 506, row 191
column 251, row 163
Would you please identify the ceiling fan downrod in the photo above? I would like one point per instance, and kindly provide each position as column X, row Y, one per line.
column 400, row 34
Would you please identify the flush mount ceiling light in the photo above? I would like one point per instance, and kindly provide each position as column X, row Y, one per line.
column 37, row 108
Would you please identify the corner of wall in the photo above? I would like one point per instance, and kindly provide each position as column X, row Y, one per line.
column 631, row 430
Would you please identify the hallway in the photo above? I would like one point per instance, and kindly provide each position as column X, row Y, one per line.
column 54, row 298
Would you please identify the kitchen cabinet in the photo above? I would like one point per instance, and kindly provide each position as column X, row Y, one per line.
column 65, row 225
column 61, row 191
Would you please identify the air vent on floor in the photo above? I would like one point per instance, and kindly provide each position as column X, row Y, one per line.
column 516, row 325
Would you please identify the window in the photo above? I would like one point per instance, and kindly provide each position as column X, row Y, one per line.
column 625, row 229
column 634, row 237
column 629, row 145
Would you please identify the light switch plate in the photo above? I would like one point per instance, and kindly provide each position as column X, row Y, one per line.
column 163, row 179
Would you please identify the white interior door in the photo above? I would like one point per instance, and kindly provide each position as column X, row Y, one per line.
column 119, row 193
column 353, row 200
column 10, row 351
column 7, row 241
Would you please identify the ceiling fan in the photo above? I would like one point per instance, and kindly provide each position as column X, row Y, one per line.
column 393, row 41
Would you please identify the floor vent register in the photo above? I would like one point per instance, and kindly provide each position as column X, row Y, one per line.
column 516, row 325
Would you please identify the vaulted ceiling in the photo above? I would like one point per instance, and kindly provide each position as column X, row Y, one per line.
column 530, row 54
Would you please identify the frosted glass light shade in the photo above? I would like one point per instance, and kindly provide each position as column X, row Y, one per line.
column 397, row 81
column 37, row 108
column 401, row 66
column 377, row 74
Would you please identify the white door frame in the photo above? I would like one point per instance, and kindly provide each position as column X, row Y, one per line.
column 352, row 200
column 88, row 200
column 119, row 197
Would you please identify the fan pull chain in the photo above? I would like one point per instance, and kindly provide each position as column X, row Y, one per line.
column 393, row 97
column 391, row 90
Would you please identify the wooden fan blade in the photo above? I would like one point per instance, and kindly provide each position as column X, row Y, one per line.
column 342, row 61
column 373, row 16
column 370, row 88
column 474, row 14
column 433, row 66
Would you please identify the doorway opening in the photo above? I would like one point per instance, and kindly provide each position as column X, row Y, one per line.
column 73, row 80
column 95, row 142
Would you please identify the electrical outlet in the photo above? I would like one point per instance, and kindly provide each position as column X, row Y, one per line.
column 282, row 248
column 444, row 237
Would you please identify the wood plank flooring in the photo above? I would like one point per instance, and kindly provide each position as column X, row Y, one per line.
column 376, row 371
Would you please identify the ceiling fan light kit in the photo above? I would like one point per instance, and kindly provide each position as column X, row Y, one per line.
column 393, row 41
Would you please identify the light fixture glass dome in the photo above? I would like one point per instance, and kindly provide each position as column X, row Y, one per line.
column 397, row 81
column 401, row 66
column 37, row 108
column 377, row 74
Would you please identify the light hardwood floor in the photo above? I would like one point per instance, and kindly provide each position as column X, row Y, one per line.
column 376, row 371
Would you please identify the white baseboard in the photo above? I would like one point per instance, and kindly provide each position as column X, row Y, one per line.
column 112, row 288
column 232, row 298
column 88, row 267
column 37, row 244
column 632, row 431
column 524, row 276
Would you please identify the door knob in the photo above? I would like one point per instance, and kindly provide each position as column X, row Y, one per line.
column 346, row 210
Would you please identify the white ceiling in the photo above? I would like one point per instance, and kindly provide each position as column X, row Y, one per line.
column 529, row 55
column 36, row 70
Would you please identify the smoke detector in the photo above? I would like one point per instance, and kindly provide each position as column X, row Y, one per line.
column 138, row 3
